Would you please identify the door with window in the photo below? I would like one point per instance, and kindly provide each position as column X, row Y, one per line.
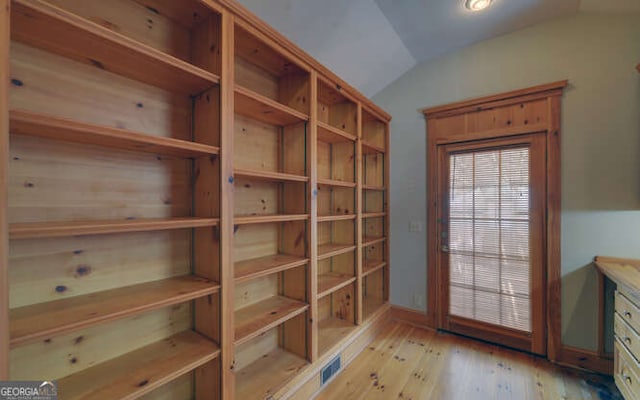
column 491, row 218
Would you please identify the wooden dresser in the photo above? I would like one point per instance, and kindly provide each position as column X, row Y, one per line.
column 626, row 274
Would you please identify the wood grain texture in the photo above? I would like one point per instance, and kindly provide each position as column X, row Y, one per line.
column 260, row 317
column 142, row 370
column 256, row 267
column 5, row 25
column 624, row 272
column 74, row 37
column 45, row 320
column 50, row 127
column 256, row 106
column 412, row 363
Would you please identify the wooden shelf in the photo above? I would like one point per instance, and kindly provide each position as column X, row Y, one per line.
column 269, row 176
column 33, row 230
column 330, row 218
column 45, row 320
column 370, row 306
column 373, row 187
column 370, row 241
column 330, row 250
column 264, row 377
column 371, row 266
column 257, row 267
column 330, row 282
column 259, row 107
column 43, row 25
column 370, row 148
column 50, row 127
column 374, row 215
column 331, row 331
column 331, row 182
column 141, row 371
column 264, row 315
column 263, row 219
column 330, row 134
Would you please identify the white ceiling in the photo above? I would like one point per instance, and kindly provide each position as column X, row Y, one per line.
column 371, row 43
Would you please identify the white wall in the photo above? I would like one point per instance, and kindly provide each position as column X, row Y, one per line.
column 600, row 148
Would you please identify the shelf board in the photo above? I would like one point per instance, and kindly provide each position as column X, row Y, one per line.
column 330, row 218
column 370, row 306
column 263, row 219
column 330, row 250
column 331, row 331
column 253, row 320
column 53, row 29
column 373, row 187
column 33, row 230
column 259, row 107
column 269, row 176
column 50, row 127
column 374, row 214
column 370, row 148
column 140, row 371
column 264, row 377
column 331, row 182
column 41, row 321
column 332, row 281
column 370, row 241
column 371, row 266
column 331, row 134
column 257, row 267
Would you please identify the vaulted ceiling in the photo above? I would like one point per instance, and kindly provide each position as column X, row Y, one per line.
column 371, row 43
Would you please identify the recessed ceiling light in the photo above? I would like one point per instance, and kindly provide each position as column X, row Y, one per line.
column 477, row 5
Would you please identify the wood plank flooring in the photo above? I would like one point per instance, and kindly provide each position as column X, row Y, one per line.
column 410, row 363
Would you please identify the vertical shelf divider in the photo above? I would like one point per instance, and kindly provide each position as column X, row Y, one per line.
column 312, row 161
column 4, row 161
column 359, row 229
column 226, row 207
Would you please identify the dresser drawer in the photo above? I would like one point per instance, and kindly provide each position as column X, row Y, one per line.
column 626, row 373
column 628, row 311
column 627, row 336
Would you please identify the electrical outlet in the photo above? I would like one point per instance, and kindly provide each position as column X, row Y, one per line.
column 415, row 226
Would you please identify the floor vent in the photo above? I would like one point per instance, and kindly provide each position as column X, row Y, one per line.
column 330, row 370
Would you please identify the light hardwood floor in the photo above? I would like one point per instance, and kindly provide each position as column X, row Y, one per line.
column 409, row 363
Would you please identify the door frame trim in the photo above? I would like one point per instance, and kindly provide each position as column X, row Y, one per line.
column 450, row 124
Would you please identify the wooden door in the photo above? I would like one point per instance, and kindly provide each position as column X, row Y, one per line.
column 491, row 240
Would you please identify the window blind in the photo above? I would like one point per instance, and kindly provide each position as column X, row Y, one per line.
column 489, row 220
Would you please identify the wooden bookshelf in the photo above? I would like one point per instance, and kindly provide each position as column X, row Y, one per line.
column 262, row 108
column 45, row 320
column 330, row 134
column 270, row 176
column 330, row 218
column 265, row 219
column 370, row 241
column 331, row 250
column 53, row 29
column 141, row 371
column 255, row 319
column 332, row 281
column 32, row 230
column 261, row 266
column 50, row 127
column 331, row 331
column 370, row 266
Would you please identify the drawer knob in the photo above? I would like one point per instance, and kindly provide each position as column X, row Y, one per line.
column 627, row 314
column 627, row 339
column 628, row 379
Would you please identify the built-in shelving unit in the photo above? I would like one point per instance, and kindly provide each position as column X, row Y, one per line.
column 196, row 208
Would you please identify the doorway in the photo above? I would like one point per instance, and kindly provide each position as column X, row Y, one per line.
column 491, row 234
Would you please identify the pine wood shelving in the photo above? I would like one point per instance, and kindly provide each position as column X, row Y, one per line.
column 270, row 176
column 257, row 267
column 332, row 281
column 221, row 198
column 141, row 371
column 51, row 127
column 262, row 108
column 263, row 378
column 255, row 319
column 330, row 250
column 53, row 29
column 32, row 230
column 57, row 317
